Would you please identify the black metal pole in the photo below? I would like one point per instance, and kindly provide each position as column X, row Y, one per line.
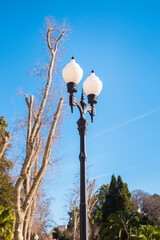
column 82, row 127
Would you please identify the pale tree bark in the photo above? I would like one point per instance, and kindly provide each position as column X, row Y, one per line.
column 30, row 212
column 31, row 175
column 5, row 142
column 33, row 205
column 92, row 200
column 74, row 202
column 41, row 218
column 76, row 216
column 73, row 208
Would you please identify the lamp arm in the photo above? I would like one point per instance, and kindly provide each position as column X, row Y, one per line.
column 91, row 110
column 78, row 104
column 82, row 105
column 88, row 109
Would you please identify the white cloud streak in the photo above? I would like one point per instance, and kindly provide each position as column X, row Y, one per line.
column 108, row 130
column 101, row 176
column 110, row 174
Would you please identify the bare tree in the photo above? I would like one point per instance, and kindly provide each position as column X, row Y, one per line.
column 92, row 200
column 74, row 209
column 41, row 218
column 73, row 200
column 147, row 205
column 151, row 208
column 37, row 154
column 138, row 197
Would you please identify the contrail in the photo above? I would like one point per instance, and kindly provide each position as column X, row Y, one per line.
column 129, row 121
column 110, row 174
column 134, row 119
column 103, row 175
column 108, row 130
column 119, row 126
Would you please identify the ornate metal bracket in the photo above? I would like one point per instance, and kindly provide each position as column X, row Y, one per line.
column 82, row 105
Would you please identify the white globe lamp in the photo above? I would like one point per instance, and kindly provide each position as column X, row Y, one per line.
column 92, row 87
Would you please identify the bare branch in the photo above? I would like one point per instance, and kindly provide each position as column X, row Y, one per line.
column 26, row 99
column 41, row 109
column 56, row 43
column 29, row 104
column 46, row 156
column 48, row 41
column 5, row 143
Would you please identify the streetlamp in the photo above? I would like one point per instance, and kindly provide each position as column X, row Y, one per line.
column 72, row 74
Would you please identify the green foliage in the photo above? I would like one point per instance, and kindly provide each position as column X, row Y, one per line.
column 119, row 225
column 6, row 186
column 71, row 220
column 146, row 232
column 119, row 220
column 57, row 234
column 97, row 212
column 125, row 226
column 3, row 125
column 117, row 198
column 114, row 218
column 117, row 211
column 7, row 220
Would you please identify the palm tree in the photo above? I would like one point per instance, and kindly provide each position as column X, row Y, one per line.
column 146, row 232
column 119, row 226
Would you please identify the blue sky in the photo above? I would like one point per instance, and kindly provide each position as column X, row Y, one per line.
column 120, row 40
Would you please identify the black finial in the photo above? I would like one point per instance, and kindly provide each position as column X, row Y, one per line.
column 82, row 95
column 83, row 103
column 92, row 71
column 72, row 58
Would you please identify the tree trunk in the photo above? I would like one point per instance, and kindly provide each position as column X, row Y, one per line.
column 26, row 187
column 25, row 225
column 18, row 233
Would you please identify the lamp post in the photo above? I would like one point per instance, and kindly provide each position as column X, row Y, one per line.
column 72, row 74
